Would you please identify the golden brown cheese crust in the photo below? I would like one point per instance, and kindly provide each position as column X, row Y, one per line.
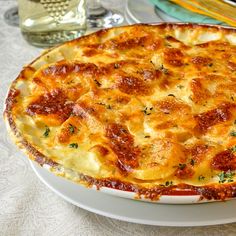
column 143, row 108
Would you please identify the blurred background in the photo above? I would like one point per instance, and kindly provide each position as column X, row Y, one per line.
column 45, row 23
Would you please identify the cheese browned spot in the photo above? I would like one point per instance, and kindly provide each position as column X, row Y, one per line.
column 200, row 94
column 197, row 152
column 173, row 57
column 122, row 143
column 129, row 43
column 224, row 161
column 150, row 75
column 215, row 116
column 27, row 72
column 232, row 66
column 201, row 61
column 133, row 85
column 62, row 70
column 54, row 102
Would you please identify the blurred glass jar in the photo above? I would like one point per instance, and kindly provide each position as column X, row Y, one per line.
column 46, row 23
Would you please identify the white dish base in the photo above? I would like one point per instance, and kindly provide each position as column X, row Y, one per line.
column 138, row 211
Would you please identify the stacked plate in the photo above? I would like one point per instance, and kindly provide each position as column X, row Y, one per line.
column 138, row 211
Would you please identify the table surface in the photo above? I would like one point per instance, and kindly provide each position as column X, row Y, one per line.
column 28, row 207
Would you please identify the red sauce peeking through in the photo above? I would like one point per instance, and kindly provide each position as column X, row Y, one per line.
column 54, row 102
column 122, row 143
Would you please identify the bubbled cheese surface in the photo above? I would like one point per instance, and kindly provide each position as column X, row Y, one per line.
column 142, row 104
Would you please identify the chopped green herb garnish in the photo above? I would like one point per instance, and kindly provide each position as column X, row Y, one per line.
column 171, row 95
column 73, row 145
column 47, row 131
column 116, row 66
column 147, row 110
column 168, row 183
column 182, row 166
column 71, row 128
column 192, row 162
column 233, row 133
column 221, row 177
column 109, row 107
column 180, row 86
column 226, row 176
column 164, row 70
column 201, row 177
column 147, row 136
column 97, row 83
column 233, row 149
column 167, row 45
column 103, row 104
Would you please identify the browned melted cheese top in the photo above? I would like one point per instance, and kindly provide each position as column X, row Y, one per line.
column 54, row 102
column 149, row 107
column 122, row 143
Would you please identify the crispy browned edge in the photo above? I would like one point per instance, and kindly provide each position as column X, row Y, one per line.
column 210, row 192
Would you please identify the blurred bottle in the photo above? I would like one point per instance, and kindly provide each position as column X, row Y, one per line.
column 46, row 23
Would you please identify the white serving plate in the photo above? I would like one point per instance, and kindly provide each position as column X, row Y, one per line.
column 138, row 211
column 143, row 11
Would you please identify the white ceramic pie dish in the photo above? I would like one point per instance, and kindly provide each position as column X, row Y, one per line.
column 181, row 196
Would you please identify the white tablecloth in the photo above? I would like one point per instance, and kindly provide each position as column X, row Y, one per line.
column 27, row 207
